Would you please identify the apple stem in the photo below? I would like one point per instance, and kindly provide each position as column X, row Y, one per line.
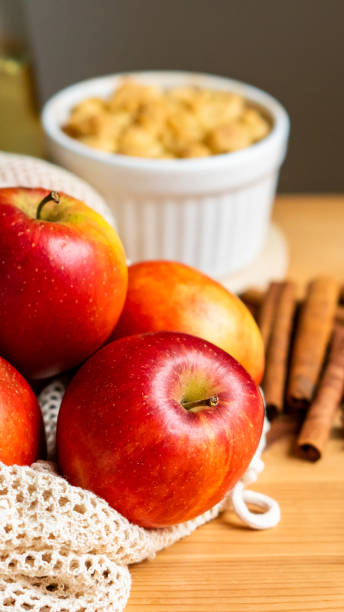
column 210, row 401
column 53, row 196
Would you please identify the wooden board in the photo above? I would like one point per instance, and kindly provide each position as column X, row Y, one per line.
column 298, row 566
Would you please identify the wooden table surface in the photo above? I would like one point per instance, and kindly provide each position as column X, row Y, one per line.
column 299, row 565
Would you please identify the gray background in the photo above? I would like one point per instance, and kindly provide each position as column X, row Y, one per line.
column 293, row 49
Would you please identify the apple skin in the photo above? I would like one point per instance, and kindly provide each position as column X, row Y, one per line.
column 123, row 433
column 63, row 280
column 170, row 296
column 22, row 439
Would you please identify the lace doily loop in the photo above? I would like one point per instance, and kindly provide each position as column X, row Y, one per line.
column 240, row 498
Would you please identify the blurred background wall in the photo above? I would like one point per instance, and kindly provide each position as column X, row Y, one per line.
column 292, row 49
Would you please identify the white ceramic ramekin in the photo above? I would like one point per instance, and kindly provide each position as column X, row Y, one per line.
column 211, row 213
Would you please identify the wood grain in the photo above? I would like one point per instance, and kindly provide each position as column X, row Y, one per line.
column 298, row 566
column 314, row 228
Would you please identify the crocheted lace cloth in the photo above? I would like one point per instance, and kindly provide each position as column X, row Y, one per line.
column 63, row 549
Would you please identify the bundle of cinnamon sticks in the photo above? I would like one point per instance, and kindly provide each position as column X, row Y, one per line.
column 304, row 347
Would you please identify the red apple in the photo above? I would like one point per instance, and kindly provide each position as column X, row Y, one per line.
column 166, row 295
column 22, row 438
column 160, row 425
column 63, row 280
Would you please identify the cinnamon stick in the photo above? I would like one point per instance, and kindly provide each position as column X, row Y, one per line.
column 311, row 340
column 278, row 349
column 286, row 426
column 317, row 425
column 268, row 310
column 340, row 314
column 341, row 295
column 252, row 297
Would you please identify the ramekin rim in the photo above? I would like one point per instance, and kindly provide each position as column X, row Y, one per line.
column 279, row 130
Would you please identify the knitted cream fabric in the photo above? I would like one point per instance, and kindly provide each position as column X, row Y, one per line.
column 64, row 549
column 31, row 172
